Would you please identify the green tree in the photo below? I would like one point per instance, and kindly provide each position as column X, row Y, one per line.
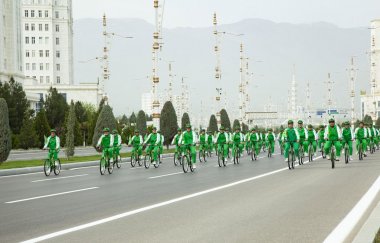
column 236, row 124
column 70, row 126
column 17, row 103
column 80, row 112
column 41, row 126
column 377, row 124
column 56, row 108
column 224, row 119
column 133, row 118
column 105, row 119
column 245, row 128
column 185, row 120
column 368, row 119
column 140, row 122
column 88, row 127
column 213, row 124
column 124, row 120
column 28, row 136
column 168, row 122
column 5, row 132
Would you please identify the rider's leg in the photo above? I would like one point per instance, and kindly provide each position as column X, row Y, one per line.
column 225, row 150
column 327, row 147
column 193, row 152
column 338, row 148
column 296, row 147
column 350, row 147
column 314, row 144
column 272, row 143
column 155, row 153
column 287, row 147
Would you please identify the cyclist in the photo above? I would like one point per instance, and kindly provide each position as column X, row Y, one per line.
column 254, row 140
column 348, row 136
column 361, row 136
column 153, row 140
column 222, row 139
column 116, row 142
column 54, row 144
column 312, row 139
column 246, row 139
column 279, row 137
column 136, row 142
column 203, row 141
column 291, row 136
column 106, row 141
column 210, row 141
column 161, row 144
column 321, row 137
column 333, row 134
column 302, row 131
column 270, row 139
column 374, row 134
column 262, row 139
column 189, row 139
column 229, row 135
column 175, row 141
column 237, row 141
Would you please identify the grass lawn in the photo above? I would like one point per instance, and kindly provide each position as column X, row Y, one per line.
column 377, row 237
column 75, row 159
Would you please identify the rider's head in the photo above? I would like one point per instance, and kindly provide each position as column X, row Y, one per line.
column 237, row 129
column 300, row 123
column 203, row 131
column 361, row 124
column 221, row 129
column 332, row 122
column 270, row 130
column 179, row 130
column 347, row 124
column 114, row 131
column 106, row 131
column 290, row 123
column 310, row 127
column 188, row 127
column 53, row 132
column 137, row 132
column 154, row 130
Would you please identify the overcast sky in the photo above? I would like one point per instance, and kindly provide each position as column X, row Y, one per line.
column 198, row 13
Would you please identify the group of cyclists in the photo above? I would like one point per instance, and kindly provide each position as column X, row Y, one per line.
column 226, row 144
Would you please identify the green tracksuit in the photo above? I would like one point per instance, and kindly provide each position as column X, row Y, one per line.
column 106, row 142
column 222, row 140
column 291, row 137
column 312, row 139
column 54, row 144
column 332, row 137
column 360, row 136
column 304, row 136
column 188, row 140
column 348, row 137
column 153, row 140
column 321, row 138
column 237, row 140
column 136, row 143
column 270, row 139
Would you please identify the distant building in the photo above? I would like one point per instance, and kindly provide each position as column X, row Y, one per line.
column 370, row 102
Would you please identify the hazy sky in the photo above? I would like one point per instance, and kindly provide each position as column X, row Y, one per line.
column 197, row 13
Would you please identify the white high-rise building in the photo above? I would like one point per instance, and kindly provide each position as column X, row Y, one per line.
column 370, row 102
column 10, row 41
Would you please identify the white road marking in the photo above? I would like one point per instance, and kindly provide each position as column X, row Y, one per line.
column 86, row 167
column 60, row 178
column 154, row 177
column 52, row 195
column 34, row 173
column 344, row 228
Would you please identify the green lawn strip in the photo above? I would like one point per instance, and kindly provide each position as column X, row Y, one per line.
column 377, row 238
column 75, row 159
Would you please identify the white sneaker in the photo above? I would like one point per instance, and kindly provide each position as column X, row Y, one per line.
column 154, row 163
column 306, row 154
column 194, row 166
column 286, row 160
column 337, row 159
column 351, row 159
column 328, row 157
column 111, row 161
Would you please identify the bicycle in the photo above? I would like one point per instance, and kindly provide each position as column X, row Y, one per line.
column 177, row 158
column 51, row 165
column 301, row 155
column 253, row 152
column 323, row 150
column 149, row 159
column 237, row 154
column 135, row 158
column 360, row 149
column 291, row 156
column 202, row 153
column 222, row 161
column 346, row 153
column 333, row 154
column 117, row 158
column 209, row 150
column 270, row 150
column 186, row 160
column 282, row 148
column 104, row 163
column 371, row 146
column 311, row 152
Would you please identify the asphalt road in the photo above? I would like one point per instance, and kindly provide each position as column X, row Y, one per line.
column 265, row 203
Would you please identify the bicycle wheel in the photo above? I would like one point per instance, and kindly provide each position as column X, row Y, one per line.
column 158, row 162
column 191, row 165
column 346, row 155
column 102, row 166
column 289, row 160
column 133, row 161
column 175, row 159
column 147, row 161
column 293, row 159
column 200, row 156
column 269, row 152
column 360, row 152
column 57, row 167
column 139, row 160
column 47, row 168
column 118, row 162
column 110, row 166
column 332, row 158
column 224, row 160
column 185, row 164
column 220, row 159
column 310, row 154
column 204, row 156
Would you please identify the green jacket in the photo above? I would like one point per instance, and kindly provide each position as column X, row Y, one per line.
column 116, row 140
column 106, row 141
column 53, row 143
column 347, row 134
column 176, row 139
column 312, row 135
column 188, row 138
column 360, row 133
column 222, row 138
column 291, row 135
column 270, row 136
column 254, row 137
column 136, row 141
column 153, row 139
column 237, row 137
column 302, row 133
column 333, row 133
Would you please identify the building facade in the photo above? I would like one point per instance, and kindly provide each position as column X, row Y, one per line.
column 370, row 101
column 11, row 64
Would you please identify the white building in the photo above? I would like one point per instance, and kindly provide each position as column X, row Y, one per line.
column 370, row 102
column 10, row 41
column 47, row 51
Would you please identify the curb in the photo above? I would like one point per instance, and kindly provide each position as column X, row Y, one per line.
column 370, row 228
column 35, row 169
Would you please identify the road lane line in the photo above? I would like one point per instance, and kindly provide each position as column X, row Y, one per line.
column 147, row 208
column 154, row 177
column 85, row 167
column 8, row 176
column 344, row 228
column 52, row 195
column 60, row 178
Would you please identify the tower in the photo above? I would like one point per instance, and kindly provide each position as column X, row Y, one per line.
column 218, row 74
column 293, row 94
column 241, row 86
column 170, row 91
column 330, row 84
column 308, row 101
column 353, row 74
column 104, row 60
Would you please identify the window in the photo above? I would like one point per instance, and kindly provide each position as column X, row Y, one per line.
column 33, row 66
column 46, row 14
column 47, row 79
column 40, row 27
column 33, row 53
column 47, row 53
column 41, row 66
column 46, row 40
column 47, row 66
column 41, row 53
column 26, row 13
column 33, row 27
column 33, row 40
column 40, row 13
column 57, row 41
column 27, row 66
column 32, row 13
column 56, row 14
column 58, row 54
column 40, row 40
column 41, row 79
column 57, row 28
column 58, row 67
column 27, row 40
column 58, row 79
column 27, row 27
column 46, row 27
column 27, row 53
